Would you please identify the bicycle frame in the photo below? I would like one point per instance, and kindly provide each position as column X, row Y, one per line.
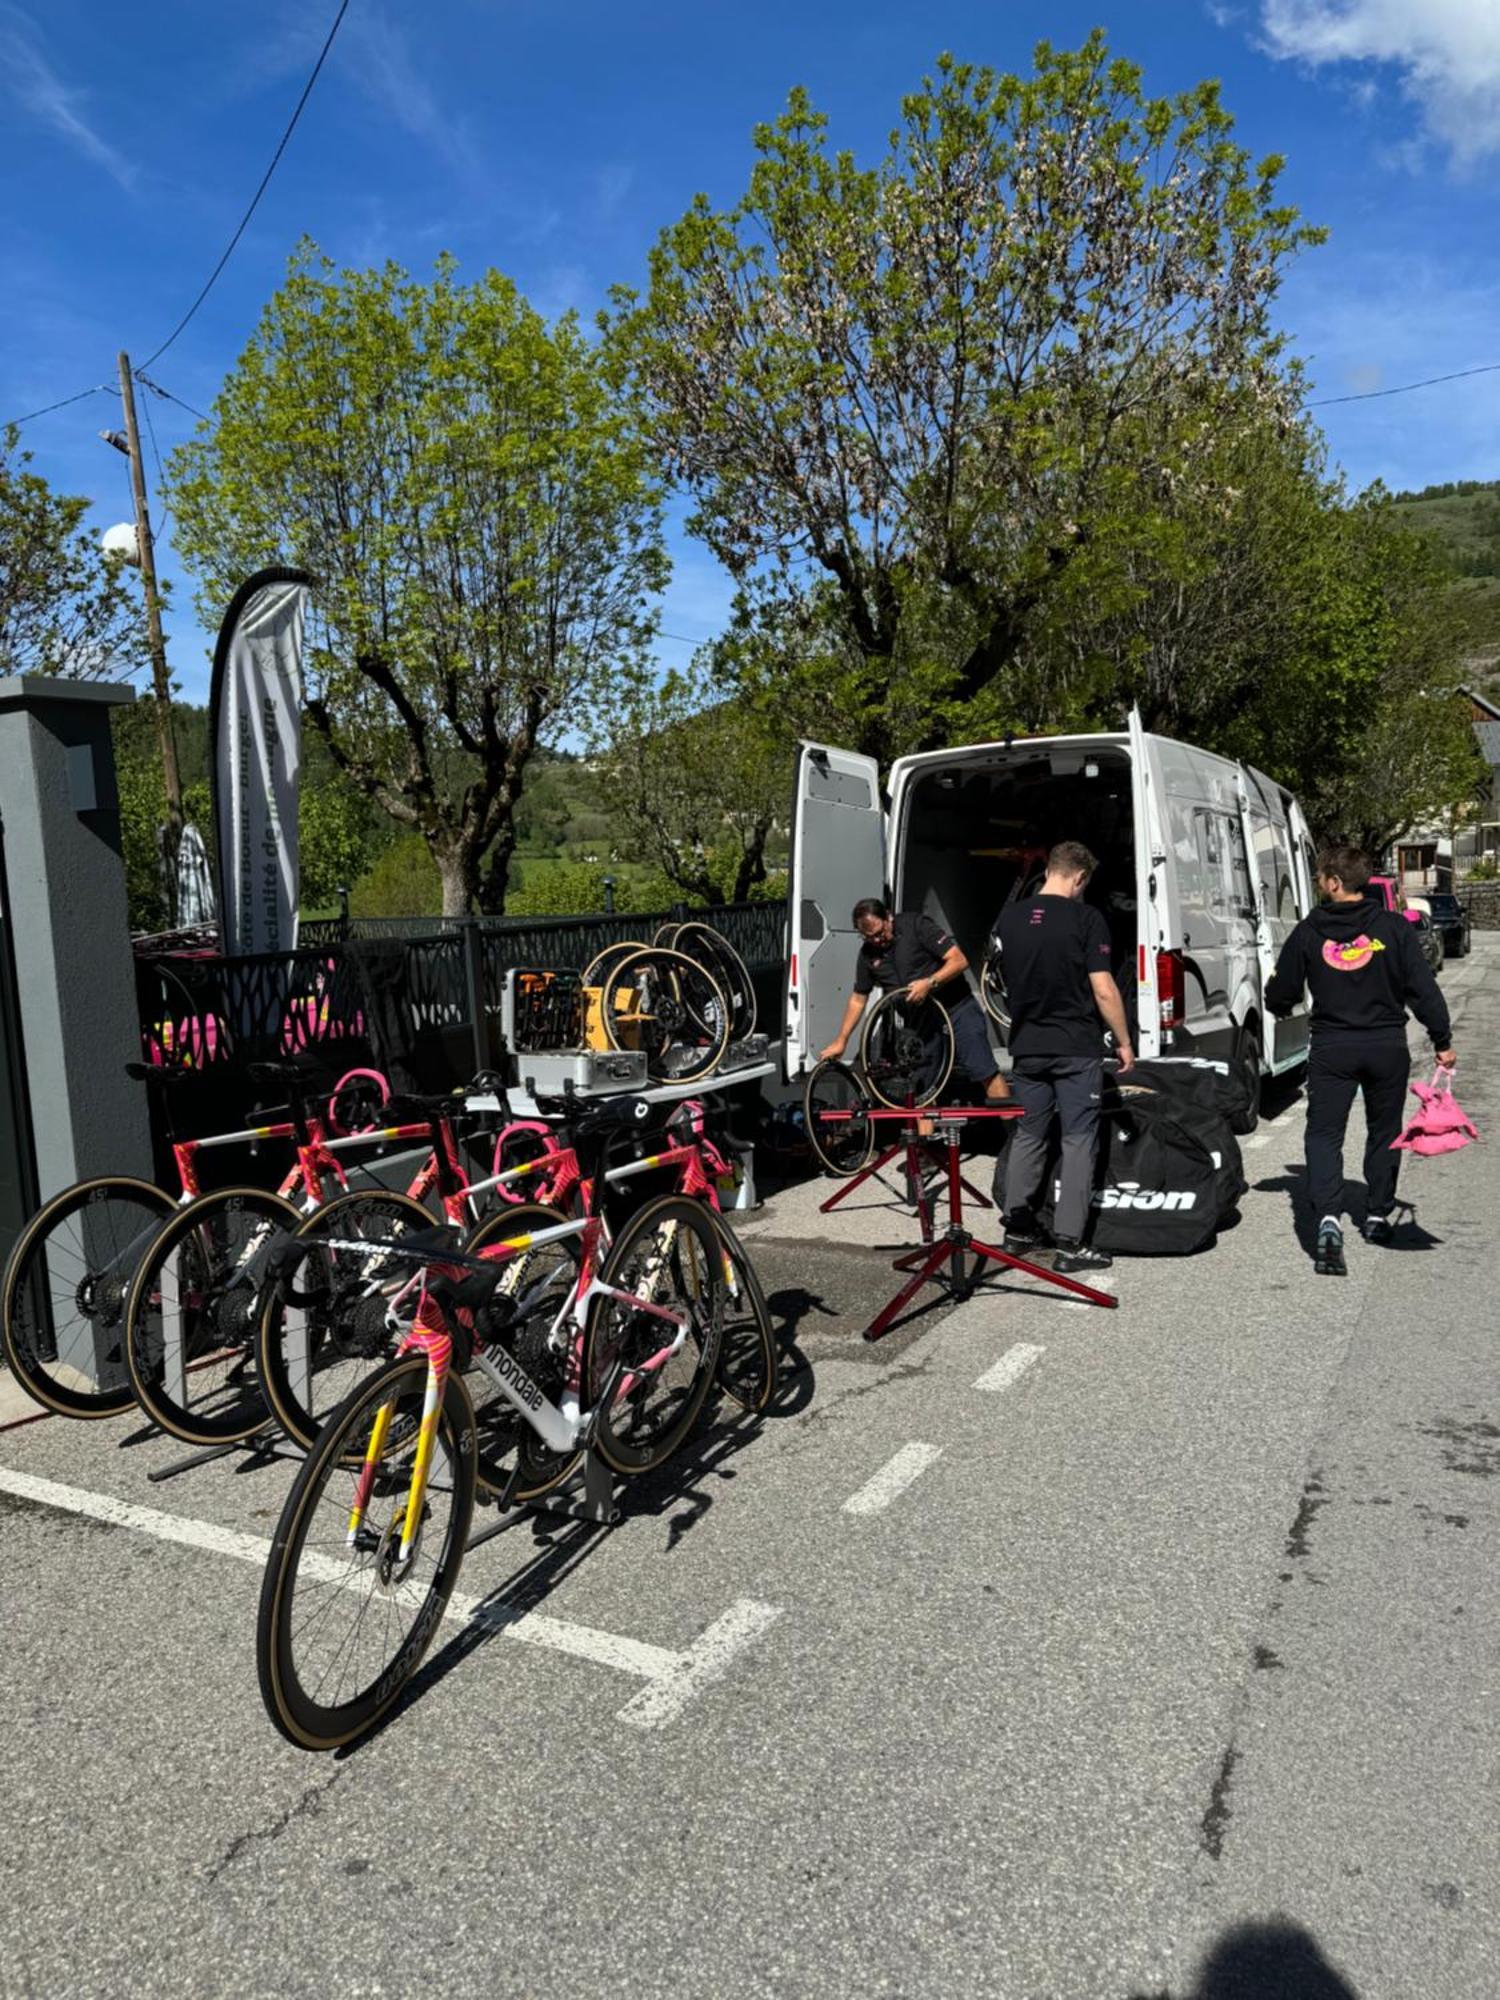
column 562, row 1428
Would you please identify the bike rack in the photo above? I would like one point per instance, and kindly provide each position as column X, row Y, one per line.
column 956, row 1243
column 589, row 1495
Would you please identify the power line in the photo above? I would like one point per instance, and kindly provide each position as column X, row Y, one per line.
column 255, row 202
column 1405, row 388
column 161, row 477
column 157, row 389
column 99, row 389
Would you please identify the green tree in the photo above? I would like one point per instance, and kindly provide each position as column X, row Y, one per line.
column 698, row 775
column 465, row 484
column 924, row 381
column 64, row 607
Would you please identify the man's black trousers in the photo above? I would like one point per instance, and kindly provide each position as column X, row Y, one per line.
column 1335, row 1071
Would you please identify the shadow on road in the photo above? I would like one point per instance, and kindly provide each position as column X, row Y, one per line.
column 1409, row 1235
column 1265, row 1961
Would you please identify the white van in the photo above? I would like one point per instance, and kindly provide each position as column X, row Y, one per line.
column 1204, row 867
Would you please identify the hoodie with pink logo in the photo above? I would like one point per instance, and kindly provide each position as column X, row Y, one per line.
column 1363, row 967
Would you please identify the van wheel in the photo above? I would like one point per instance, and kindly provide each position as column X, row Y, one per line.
column 1245, row 1062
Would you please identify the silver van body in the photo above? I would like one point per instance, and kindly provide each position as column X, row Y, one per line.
column 1205, row 866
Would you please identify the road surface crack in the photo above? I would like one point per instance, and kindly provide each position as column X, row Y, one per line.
column 306, row 1807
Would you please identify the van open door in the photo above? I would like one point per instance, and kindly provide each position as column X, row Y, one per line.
column 838, row 856
column 1158, row 983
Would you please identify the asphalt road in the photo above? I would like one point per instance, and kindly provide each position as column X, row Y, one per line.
column 1040, row 1652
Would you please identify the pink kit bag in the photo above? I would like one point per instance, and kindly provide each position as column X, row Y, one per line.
column 1440, row 1124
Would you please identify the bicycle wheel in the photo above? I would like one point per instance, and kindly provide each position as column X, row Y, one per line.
column 993, row 996
column 675, row 1011
column 538, row 1283
column 906, row 1052
column 749, row 1365
column 836, row 1108
column 665, row 938
column 62, row 1308
column 343, row 1621
column 332, row 1319
column 719, row 957
column 603, row 963
column 192, row 1311
column 668, row 1261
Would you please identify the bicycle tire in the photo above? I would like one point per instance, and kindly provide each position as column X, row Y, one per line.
column 318, row 1509
column 994, row 998
column 222, row 1324
column 675, row 1235
column 98, row 1294
column 697, row 1004
column 603, row 962
column 906, row 1077
column 665, row 936
column 508, row 1449
column 749, row 1362
column 345, row 1329
column 846, row 1148
column 725, row 965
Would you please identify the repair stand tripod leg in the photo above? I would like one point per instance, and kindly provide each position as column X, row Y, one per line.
column 952, row 1247
column 864, row 1174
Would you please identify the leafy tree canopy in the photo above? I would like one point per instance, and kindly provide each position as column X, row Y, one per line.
column 483, row 522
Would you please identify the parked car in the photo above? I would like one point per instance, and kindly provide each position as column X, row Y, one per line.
column 1450, row 917
column 1430, row 938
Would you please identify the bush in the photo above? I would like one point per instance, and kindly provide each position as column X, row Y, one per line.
column 1485, row 870
column 403, row 883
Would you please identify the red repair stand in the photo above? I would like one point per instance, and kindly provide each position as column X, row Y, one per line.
column 918, row 1148
column 956, row 1243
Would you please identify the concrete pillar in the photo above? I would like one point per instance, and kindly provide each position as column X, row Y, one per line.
column 70, row 934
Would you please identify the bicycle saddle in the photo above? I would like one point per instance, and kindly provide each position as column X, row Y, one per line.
column 142, row 1072
column 588, row 1121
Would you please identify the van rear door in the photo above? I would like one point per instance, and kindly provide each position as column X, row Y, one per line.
column 838, row 856
column 1154, row 928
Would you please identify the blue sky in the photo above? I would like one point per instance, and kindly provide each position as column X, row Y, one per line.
column 554, row 142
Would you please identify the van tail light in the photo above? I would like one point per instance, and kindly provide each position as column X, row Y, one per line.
column 794, row 972
column 1170, row 987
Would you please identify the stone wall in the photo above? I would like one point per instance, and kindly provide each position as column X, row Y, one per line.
column 1483, row 900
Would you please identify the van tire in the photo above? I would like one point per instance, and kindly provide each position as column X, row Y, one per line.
column 1243, row 1058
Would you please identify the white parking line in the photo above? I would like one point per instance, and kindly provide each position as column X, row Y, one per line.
column 893, row 1478
column 706, row 1660
column 672, row 1678
column 1011, row 1366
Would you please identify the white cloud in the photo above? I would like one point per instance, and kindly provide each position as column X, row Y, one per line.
column 378, row 56
column 37, row 88
column 1446, row 53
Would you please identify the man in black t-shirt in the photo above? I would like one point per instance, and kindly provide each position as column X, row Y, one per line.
column 911, row 953
column 1055, row 955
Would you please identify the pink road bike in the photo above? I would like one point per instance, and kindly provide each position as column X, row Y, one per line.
column 569, row 1355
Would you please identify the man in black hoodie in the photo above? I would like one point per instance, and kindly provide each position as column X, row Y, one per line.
column 1363, row 967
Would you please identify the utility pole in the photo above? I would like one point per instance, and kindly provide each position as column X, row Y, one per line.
column 158, row 645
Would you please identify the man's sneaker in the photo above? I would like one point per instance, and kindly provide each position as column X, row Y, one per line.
column 1328, row 1258
column 1378, row 1229
column 1080, row 1257
column 1022, row 1235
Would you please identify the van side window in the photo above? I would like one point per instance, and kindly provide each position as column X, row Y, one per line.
column 1241, row 893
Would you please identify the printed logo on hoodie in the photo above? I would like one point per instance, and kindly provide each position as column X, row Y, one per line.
column 1353, row 956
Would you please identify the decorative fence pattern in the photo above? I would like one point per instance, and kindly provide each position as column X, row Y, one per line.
column 418, row 996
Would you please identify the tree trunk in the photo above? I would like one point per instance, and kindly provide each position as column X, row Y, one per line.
column 496, row 879
column 752, row 868
column 457, row 872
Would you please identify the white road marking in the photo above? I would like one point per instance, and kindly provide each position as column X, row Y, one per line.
column 708, row 1659
column 893, row 1478
column 672, row 1678
column 1011, row 1365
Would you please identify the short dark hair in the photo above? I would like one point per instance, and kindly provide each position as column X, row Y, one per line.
column 1070, row 857
column 1351, row 865
column 869, row 906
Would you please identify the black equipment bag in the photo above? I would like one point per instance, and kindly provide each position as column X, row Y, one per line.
column 1169, row 1171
